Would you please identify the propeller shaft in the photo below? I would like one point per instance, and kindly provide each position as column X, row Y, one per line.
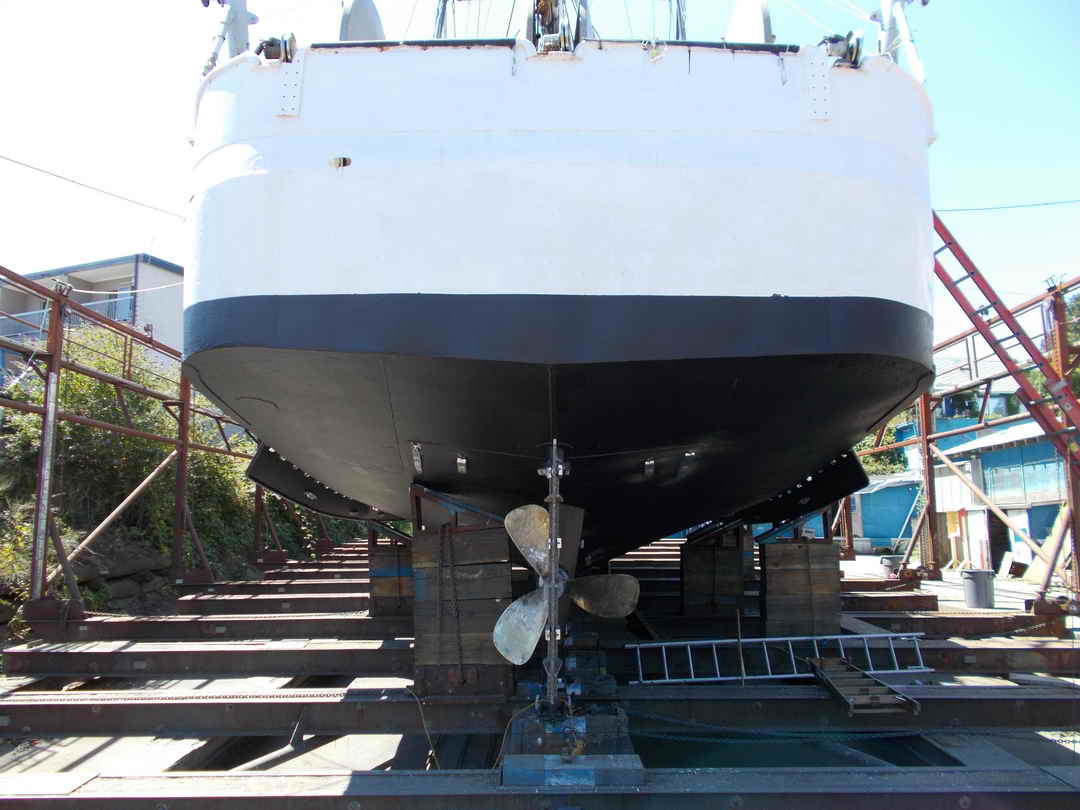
column 554, row 471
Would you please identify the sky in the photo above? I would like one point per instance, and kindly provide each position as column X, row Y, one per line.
column 102, row 92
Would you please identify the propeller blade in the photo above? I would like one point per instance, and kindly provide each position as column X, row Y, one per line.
column 528, row 527
column 518, row 630
column 610, row 596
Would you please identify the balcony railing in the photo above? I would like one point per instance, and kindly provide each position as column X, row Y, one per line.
column 27, row 324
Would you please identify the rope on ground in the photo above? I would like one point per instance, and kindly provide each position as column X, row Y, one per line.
column 506, row 731
column 427, row 731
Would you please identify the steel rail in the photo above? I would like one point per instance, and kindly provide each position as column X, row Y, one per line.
column 394, row 711
column 989, row 423
column 64, row 416
column 836, row 788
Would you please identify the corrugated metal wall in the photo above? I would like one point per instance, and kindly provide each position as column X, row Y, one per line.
column 1027, row 474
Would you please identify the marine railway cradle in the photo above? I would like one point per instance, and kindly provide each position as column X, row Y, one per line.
column 752, row 653
column 804, row 685
column 323, row 627
column 735, row 667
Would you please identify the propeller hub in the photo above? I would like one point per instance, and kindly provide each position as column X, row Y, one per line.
column 559, row 581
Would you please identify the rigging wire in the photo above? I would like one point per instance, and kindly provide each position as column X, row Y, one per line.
column 800, row 10
column 408, row 25
column 577, row 14
column 510, row 21
column 1006, row 207
column 92, row 188
column 487, row 17
column 629, row 22
column 850, row 8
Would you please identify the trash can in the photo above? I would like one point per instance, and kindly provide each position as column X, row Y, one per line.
column 978, row 587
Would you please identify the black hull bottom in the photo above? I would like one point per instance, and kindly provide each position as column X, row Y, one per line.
column 346, row 403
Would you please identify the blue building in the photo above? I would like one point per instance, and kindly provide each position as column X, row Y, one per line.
column 1023, row 475
column 885, row 511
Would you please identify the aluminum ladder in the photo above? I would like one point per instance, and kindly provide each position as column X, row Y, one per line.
column 859, row 691
column 1061, row 395
column 757, row 659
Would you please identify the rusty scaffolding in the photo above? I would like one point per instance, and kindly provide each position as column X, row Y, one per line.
column 45, row 350
column 997, row 333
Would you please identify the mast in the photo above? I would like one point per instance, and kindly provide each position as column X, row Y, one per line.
column 440, row 19
column 235, row 19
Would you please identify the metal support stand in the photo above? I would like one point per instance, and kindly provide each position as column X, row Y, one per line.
column 1062, row 353
column 99, row 530
column 847, row 530
column 180, row 507
column 197, row 541
column 39, row 550
column 1060, row 426
column 928, row 539
column 273, row 530
column 1055, row 543
column 323, row 543
column 260, row 537
column 72, row 582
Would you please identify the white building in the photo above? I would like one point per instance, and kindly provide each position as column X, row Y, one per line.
column 142, row 290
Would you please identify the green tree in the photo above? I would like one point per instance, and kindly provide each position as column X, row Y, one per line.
column 889, row 461
column 95, row 469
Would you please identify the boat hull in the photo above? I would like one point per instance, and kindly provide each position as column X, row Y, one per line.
column 733, row 400
column 714, row 257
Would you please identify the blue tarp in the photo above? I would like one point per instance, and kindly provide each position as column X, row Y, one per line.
column 884, row 511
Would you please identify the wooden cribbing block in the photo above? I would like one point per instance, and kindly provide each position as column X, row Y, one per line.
column 712, row 574
column 801, row 589
column 391, row 574
column 483, row 581
column 462, row 584
column 470, row 546
column 437, row 633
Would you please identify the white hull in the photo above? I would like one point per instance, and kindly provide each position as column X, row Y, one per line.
column 492, row 170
